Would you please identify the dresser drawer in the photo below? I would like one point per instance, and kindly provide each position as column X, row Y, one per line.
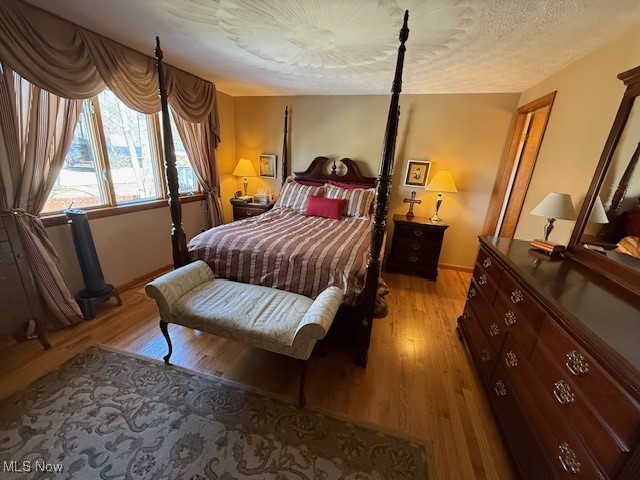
column 483, row 352
column 486, row 282
column 529, row 454
column 486, row 316
column 520, row 299
column 606, row 451
column 6, row 259
column 5, row 248
column 617, row 408
column 490, row 265
column 568, row 455
column 9, row 277
column 515, row 322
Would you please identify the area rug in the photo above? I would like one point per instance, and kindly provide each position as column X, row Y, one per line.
column 110, row 415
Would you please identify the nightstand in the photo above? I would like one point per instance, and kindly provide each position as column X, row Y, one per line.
column 246, row 210
column 415, row 247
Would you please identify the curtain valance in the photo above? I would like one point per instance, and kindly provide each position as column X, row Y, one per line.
column 71, row 62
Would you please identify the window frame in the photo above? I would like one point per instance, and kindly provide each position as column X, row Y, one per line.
column 105, row 180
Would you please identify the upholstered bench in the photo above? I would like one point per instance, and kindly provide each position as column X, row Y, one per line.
column 262, row 317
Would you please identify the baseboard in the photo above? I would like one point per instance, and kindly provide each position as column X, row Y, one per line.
column 143, row 279
column 460, row 268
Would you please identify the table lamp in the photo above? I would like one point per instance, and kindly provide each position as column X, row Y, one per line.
column 442, row 181
column 245, row 169
column 554, row 206
column 598, row 214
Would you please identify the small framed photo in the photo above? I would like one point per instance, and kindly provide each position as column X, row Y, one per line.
column 417, row 173
column 267, row 166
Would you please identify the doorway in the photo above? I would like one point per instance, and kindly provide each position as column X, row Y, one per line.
column 517, row 167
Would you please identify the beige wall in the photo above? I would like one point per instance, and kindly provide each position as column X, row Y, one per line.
column 466, row 134
column 584, row 109
column 129, row 246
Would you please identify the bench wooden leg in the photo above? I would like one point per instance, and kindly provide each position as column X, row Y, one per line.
column 303, row 374
column 165, row 332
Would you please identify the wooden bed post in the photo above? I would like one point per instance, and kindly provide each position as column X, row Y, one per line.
column 178, row 238
column 382, row 201
column 285, row 155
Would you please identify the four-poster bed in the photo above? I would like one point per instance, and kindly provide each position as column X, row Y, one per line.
column 367, row 293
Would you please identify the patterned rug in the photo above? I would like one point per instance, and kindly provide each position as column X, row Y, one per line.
column 110, row 415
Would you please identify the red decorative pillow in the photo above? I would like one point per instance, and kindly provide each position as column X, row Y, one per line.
column 325, row 207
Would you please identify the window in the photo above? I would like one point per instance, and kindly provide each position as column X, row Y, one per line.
column 187, row 181
column 81, row 181
column 115, row 159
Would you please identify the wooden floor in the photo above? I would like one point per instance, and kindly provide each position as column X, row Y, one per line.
column 418, row 380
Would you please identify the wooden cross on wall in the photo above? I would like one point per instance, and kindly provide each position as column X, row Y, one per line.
column 411, row 201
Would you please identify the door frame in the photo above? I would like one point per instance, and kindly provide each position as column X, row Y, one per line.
column 505, row 178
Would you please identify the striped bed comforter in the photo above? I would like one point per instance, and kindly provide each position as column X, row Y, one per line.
column 285, row 249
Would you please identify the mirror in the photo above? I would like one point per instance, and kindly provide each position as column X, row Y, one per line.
column 610, row 243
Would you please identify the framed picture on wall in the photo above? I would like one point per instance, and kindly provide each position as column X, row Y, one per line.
column 267, row 166
column 417, row 173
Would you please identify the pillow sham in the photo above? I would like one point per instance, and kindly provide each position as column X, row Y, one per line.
column 352, row 186
column 294, row 195
column 325, row 207
column 358, row 200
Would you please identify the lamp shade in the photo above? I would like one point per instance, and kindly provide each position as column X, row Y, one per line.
column 555, row 205
column 244, row 168
column 442, row 181
column 598, row 215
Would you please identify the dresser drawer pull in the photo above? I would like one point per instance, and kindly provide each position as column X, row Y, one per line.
column 483, row 279
column 20, row 255
column 576, row 363
column 500, row 389
column 486, row 263
column 517, row 296
column 510, row 318
column 486, row 355
column 568, row 459
column 562, row 391
column 494, row 330
column 415, row 246
column 472, row 293
column 511, row 360
column 417, row 233
column 413, row 259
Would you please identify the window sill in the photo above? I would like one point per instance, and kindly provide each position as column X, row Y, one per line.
column 61, row 218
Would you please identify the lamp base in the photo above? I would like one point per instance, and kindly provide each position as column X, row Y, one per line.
column 547, row 247
column 435, row 219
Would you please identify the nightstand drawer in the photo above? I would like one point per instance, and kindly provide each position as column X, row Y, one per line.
column 248, row 210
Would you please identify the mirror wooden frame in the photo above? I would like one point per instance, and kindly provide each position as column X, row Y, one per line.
column 620, row 274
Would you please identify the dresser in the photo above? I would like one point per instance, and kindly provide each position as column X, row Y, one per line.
column 415, row 247
column 246, row 210
column 19, row 300
column 557, row 350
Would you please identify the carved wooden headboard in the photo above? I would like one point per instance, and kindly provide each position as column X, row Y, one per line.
column 316, row 173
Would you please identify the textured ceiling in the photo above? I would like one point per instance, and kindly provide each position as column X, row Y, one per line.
column 305, row 47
